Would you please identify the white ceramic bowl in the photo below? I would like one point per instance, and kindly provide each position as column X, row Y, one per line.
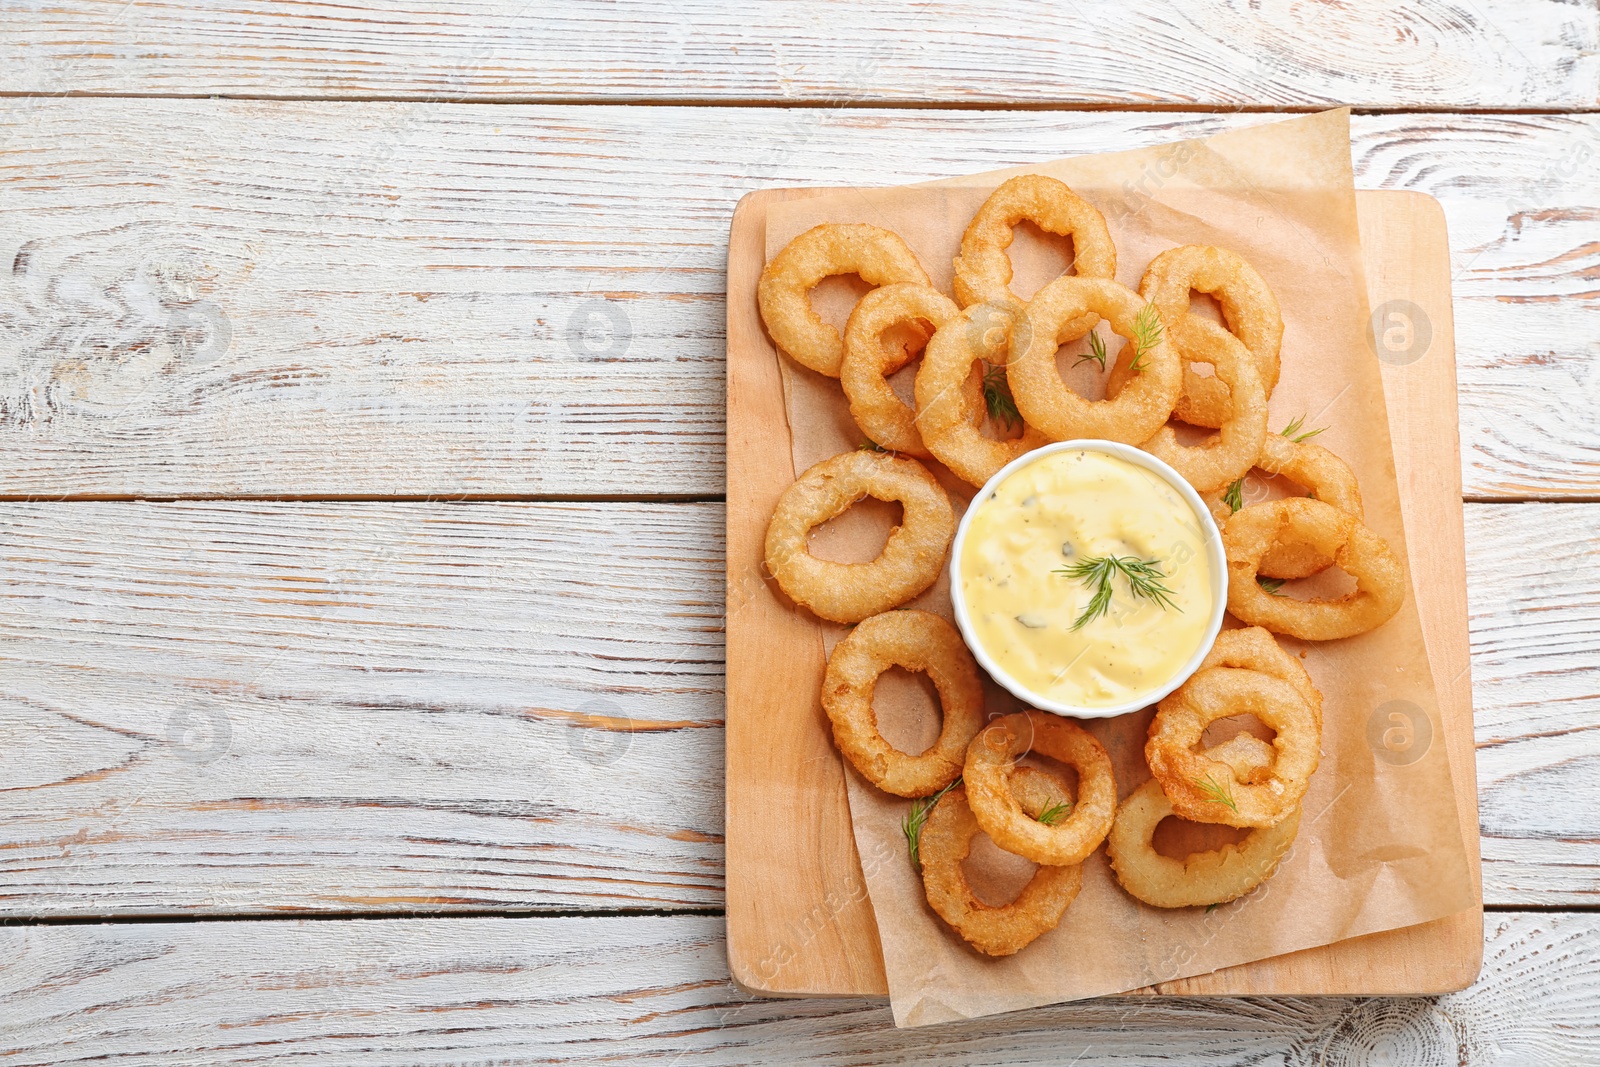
column 1213, row 552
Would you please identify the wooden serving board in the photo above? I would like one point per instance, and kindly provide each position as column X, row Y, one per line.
column 799, row 921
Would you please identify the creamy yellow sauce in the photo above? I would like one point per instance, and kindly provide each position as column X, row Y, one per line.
column 1057, row 511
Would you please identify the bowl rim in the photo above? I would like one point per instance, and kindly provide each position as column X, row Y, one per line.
column 1213, row 551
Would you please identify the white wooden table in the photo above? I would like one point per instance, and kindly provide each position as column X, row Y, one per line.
column 361, row 437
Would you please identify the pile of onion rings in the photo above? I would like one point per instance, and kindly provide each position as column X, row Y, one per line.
column 988, row 343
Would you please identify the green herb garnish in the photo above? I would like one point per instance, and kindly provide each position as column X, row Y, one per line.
column 997, row 397
column 1292, row 431
column 1234, row 497
column 1096, row 353
column 1054, row 813
column 912, row 824
column 1144, row 578
column 1146, row 335
column 871, row 446
column 1216, row 794
column 1271, row 585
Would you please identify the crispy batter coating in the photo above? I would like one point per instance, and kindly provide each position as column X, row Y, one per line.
column 991, row 759
column 1248, row 307
column 946, row 841
column 1213, row 877
column 983, row 270
column 1236, row 447
column 879, row 256
column 910, row 561
column 1254, row 531
column 870, row 356
column 950, row 404
column 1329, row 480
column 1203, row 788
column 917, row 641
column 1065, row 310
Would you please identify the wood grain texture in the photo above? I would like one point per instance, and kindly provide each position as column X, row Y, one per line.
column 656, row 990
column 223, row 708
column 254, row 298
column 1216, row 53
column 1534, row 582
column 366, row 707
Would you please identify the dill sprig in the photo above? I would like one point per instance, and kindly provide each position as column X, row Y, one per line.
column 1146, row 335
column 997, row 397
column 1054, row 813
column 1144, row 577
column 1271, row 585
column 1216, row 794
column 915, row 819
column 1234, row 497
column 1096, row 353
column 1292, row 431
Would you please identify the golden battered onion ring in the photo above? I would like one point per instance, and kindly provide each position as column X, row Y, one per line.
column 917, row 641
column 1205, row 789
column 1213, row 877
column 950, row 405
column 946, row 842
column 879, row 256
column 1057, row 313
column 870, row 357
column 1329, row 480
column 910, row 561
column 1231, row 451
column 1252, row 532
column 1255, row 649
column 991, row 759
column 983, row 270
column 1248, row 307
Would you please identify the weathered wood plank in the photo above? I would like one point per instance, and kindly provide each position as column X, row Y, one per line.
column 656, row 989
column 226, row 708
column 246, row 708
column 247, row 298
column 1489, row 54
column 1533, row 578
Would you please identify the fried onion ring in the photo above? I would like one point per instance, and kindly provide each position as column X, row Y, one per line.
column 910, row 561
column 1329, row 480
column 1203, row 788
column 879, row 256
column 1252, row 532
column 1231, row 451
column 1255, row 649
column 1056, row 314
column 991, row 759
column 1213, row 877
column 1248, row 307
column 983, row 270
column 946, row 842
column 917, row 641
column 870, row 356
column 950, row 405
